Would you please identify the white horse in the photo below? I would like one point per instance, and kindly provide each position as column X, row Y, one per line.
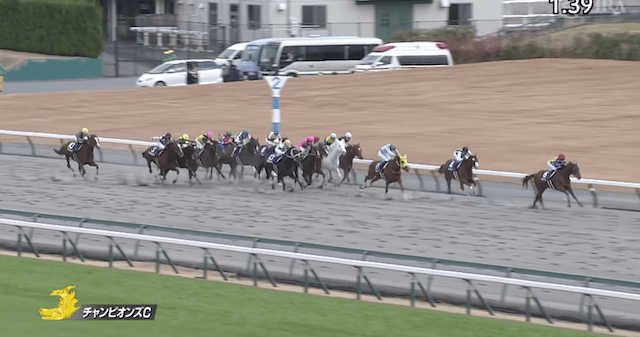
column 331, row 163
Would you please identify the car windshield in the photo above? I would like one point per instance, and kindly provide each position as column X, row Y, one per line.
column 226, row 54
column 268, row 55
column 160, row 69
column 369, row 59
column 251, row 53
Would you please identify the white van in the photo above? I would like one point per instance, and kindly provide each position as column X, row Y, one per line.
column 315, row 55
column 406, row 55
column 233, row 54
column 174, row 73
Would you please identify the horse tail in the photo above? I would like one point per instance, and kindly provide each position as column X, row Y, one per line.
column 441, row 169
column 58, row 151
column 526, row 180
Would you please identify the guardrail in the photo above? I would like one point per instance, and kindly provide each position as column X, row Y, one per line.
column 307, row 258
column 416, row 167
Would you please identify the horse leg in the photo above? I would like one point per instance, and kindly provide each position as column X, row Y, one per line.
column 448, row 179
column 177, row 174
column 92, row 163
column 574, row 196
column 69, row 166
column 568, row 199
column 297, row 179
column 386, row 189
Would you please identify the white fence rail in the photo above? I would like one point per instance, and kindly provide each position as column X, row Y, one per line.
column 306, row 258
column 423, row 167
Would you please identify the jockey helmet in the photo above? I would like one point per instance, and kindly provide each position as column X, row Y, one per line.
column 315, row 139
column 210, row 134
column 347, row 135
column 333, row 136
column 170, row 51
column 168, row 135
column 185, row 136
column 465, row 149
column 245, row 133
column 392, row 147
column 287, row 142
column 228, row 133
column 85, row 130
column 561, row 156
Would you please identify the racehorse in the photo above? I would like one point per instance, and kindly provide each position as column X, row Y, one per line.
column 249, row 155
column 167, row 161
column 346, row 161
column 311, row 164
column 391, row 174
column 464, row 174
column 331, row 162
column 189, row 160
column 288, row 167
column 559, row 181
column 209, row 158
column 83, row 156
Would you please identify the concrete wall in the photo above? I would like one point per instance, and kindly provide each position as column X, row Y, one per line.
column 56, row 69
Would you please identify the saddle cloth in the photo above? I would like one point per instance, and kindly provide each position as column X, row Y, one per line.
column 548, row 175
column 73, row 148
column 453, row 166
column 155, row 152
column 381, row 166
column 274, row 158
column 236, row 151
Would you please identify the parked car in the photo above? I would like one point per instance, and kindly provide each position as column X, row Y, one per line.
column 174, row 73
column 406, row 55
column 233, row 54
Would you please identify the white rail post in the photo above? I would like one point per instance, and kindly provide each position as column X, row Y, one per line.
column 276, row 83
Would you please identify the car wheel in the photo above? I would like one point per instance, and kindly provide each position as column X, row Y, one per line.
column 160, row 84
column 292, row 75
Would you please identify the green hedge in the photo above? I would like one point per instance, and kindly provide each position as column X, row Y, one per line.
column 57, row 27
column 465, row 48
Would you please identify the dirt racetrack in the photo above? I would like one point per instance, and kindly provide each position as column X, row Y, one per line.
column 515, row 115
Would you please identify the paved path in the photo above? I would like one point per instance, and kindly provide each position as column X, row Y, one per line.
column 34, row 87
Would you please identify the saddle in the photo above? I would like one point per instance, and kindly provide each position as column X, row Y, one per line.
column 73, row 148
column 155, row 152
column 548, row 175
column 381, row 166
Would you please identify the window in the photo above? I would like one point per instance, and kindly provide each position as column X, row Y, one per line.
column 370, row 48
column 314, row 16
column 459, row 14
column 176, row 68
column 207, row 65
column 213, row 14
column 238, row 55
column 291, row 54
column 233, row 16
column 385, row 60
column 251, row 53
column 325, row 53
column 356, row 53
column 268, row 56
column 435, row 60
column 169, row 6
column 254, row 16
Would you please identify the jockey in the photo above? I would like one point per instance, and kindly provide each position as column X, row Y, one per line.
column 273, row 139
column 241, row 139
column 226, row 138
column 201, row 140
column 162, row 142
column 307, row 142
column 385, row 154
column 556, row 163
column 183, row 139
column 281, row 149
column 460, row 155
column 346, row 138
column 329, row 140
column 81, row 137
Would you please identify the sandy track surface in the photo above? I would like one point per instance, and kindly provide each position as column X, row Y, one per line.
column 514, row 115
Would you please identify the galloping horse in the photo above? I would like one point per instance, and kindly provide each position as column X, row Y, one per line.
column 391, row 174
column 249, row 155
column 189, row 160
column 83, row 156
column 331, row 162
column 209, row 158
column 559, row 182
column 464, row 174
column 288, row 167
column 346, row 161
column 311, row 164
column 167, row 161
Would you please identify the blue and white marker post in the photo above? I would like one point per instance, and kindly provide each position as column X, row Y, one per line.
column 276, row 83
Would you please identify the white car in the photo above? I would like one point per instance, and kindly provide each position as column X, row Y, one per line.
column 406, row 55
column 174, row 73
column 233, row 54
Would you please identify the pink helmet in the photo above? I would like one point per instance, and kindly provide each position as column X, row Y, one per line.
column 315, row 139
column 561, row 156
column 210, row 134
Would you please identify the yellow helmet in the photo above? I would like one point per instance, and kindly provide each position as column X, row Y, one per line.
column 167, row 52
column 185, row 136
column 85, row 130
column 287, row 142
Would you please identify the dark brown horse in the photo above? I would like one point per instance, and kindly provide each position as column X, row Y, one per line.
column 464, row 174
column 311, row 164
column 189, row 160
column 346, row 161
column 391, row 174
column 209, row 158
column 167, row 161
column 249, row 155
column 559, row 182
column 84, row 156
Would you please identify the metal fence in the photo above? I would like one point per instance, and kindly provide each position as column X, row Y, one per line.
column 359, row 265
